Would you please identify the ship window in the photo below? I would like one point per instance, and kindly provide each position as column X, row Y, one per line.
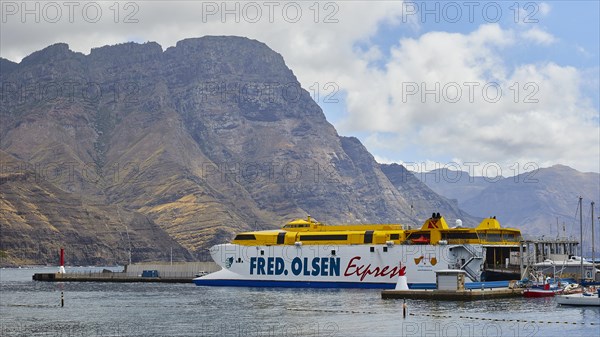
column 245, row 237
column 372, row 249
column 494, row 237
column 394, row 236
column 262, row 252
column 459, row 236
column 281, row 238
column 368, row 237
column 333, row 252
column 330, row 237
column 296, row 226
column 385, row 249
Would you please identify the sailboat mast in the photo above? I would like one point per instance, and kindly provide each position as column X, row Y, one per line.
column 581, row 234
column 593, row 251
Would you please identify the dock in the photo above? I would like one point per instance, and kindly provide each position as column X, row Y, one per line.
column 142, row 272
column 450, row 286
column 452, row 295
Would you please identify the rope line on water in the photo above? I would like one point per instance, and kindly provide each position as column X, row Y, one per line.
column 446, row 316
column 330, row 310
column 503, row 319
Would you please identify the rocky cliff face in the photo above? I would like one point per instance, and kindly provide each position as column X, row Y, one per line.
column 38, row 219
column 199, row 141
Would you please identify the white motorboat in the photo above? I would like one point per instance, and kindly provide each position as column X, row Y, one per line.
column 582, row 299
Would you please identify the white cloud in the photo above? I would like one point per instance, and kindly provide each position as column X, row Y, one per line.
column 540, row 116
column 384, row 160
column 583, row 51
column 544, row 8
column 558, row 128
column 539, row 36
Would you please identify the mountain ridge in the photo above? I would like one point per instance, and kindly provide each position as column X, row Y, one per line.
column 204, row 139
column 534, row 200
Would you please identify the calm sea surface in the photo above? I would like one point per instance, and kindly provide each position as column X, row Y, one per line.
column 29, row 308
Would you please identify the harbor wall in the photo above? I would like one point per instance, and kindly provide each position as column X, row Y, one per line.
column 177, row 270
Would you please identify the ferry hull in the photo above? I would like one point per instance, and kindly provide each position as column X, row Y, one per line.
column 291, row 284
column 343, row 266
column 332, row 285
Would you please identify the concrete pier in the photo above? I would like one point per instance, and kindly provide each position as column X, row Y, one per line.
column 98, row 277
column 143, row 272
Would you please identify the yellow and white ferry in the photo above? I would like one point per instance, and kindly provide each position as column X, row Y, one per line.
column 306, row 253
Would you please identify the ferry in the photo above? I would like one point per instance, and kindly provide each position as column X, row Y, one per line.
column 307, row 253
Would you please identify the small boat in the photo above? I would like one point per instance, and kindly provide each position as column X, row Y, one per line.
column 547, row 290
column 583, row 299
column 421, row 239
column 572, row 288
column 539, row 292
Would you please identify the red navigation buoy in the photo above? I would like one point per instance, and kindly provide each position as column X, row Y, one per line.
column 61, row 269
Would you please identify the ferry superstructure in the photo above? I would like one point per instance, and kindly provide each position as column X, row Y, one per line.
column 306, row 253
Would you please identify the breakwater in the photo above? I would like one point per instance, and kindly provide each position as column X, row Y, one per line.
column 182, row 272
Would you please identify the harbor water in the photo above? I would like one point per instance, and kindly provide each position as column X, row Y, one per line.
column 30, row 308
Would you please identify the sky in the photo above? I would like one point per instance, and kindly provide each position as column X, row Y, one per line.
column 487, row 87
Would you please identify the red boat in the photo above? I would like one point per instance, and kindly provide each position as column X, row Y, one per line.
column 539, row 292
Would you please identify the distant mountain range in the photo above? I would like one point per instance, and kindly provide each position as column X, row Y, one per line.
column 531, row 201
column 132, row 149
column 424, row 199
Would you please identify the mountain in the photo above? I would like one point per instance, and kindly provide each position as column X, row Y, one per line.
column 531, row 201
column 423, row 199
column 38, row 218
column 182, row 147
column 457, row 185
